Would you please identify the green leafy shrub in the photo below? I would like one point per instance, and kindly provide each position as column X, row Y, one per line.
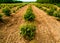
column 44, row 9
column 39, row 6
column 29, row 16
column 57, row 14
column 20, row 6
column 54, row 8
column 28, row 31
column 10, row 7
column 50, row 12
column 15, row 6
column 58, row 4
column 6, row 11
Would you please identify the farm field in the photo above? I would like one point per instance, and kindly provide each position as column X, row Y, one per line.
column 29, row 23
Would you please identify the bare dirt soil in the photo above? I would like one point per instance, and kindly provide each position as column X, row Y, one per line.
column 48, row 28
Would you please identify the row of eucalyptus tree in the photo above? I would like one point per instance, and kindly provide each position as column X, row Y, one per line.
column 49, row 1
column 10, row 1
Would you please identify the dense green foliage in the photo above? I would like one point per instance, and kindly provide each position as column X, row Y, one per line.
column 29, row 16
column 49, row 1
column 10, row 1
column 58, row 4
column 28, row 31
column 57, row 14
column 6, row 1
column 50, row 12
column 6, row 11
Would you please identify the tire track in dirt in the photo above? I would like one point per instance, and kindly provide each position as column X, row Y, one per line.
column 11, row 30
column 48, row 29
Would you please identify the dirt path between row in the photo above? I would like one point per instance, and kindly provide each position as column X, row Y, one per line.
column 9, row 33
column 48, row 29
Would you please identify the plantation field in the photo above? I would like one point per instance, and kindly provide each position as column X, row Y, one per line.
column 12, row 7
column 51, row 9
column 29, row 23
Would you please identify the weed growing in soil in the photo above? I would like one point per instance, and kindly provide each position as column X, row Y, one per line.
column 28, row 31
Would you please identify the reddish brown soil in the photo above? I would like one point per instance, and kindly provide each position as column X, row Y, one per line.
column 48, row 28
